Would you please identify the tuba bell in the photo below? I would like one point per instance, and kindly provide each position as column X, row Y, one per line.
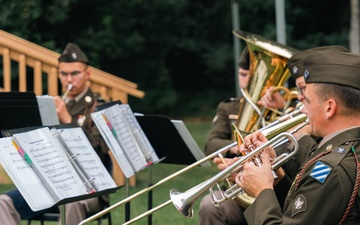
column 267, row 68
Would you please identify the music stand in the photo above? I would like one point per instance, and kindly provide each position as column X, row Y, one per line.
column 63, row 202
column 18, row 109
column 172, row 141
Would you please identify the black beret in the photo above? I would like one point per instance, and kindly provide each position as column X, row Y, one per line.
column 333, row 68
column 294, row 64
column 244, row 62
column 73, row 53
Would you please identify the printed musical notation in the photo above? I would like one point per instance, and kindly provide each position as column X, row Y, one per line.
column 48, row 166
column 125, row 138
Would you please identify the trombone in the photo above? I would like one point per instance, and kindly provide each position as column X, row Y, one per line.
column 183, row 201
column 270, row 133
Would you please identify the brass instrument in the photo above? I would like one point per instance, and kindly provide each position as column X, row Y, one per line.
column 267, row 68
column 278, row 128
column 183, row 201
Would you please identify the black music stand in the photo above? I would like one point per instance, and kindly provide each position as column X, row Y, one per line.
column 172, row 143
column 18, row 109
column 63, row 202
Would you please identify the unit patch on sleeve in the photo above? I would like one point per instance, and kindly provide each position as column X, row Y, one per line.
column 320, row 171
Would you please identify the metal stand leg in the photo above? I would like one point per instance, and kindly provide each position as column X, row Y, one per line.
column 150, row 196
column 63, row 214
column 127, row 205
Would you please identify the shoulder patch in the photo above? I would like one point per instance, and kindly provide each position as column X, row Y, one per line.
column 320, row 171
column 300, row 205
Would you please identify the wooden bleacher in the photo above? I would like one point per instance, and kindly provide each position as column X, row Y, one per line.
column 44, row 62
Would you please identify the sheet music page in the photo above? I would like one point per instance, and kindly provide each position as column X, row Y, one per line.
column 125, row 138
column 47, row 110
column 89, row 160
column 113, row 144
column 24, row 177
column 189, row 141
column 50, row 163
column 139, row 134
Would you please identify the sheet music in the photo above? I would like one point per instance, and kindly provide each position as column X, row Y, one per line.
column 47, row 110
column 90, row 162
column 50, row 162
column 139, row 134
column 125, row 137
column 113, row 144
column 24, row 177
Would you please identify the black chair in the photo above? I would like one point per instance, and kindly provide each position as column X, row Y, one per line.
column 54, row 216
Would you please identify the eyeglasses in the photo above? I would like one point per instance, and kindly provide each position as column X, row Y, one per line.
column 300, row 90
column 72, row 74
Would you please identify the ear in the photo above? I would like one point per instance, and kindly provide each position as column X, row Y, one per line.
column 330, row 108
column 88, row 73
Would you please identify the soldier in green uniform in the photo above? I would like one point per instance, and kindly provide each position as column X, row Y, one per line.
column 307, row 142
column 227, row 112
column 221, row 135
column 73, row 108
column 325, row 190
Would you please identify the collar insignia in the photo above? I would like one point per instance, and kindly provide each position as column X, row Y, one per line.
column 320, row 171
column 329, row 147
column 340, row 150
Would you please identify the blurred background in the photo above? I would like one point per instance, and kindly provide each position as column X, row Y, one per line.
column 179, row 52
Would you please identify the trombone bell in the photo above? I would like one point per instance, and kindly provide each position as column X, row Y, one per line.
column 178, row 199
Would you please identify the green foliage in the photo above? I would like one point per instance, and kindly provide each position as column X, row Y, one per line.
column 179, row 52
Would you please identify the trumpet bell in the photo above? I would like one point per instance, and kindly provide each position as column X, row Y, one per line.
column 182, row 202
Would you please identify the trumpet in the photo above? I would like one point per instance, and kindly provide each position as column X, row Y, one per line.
column 183, row 201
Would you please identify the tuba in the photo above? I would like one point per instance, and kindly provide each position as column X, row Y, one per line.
column 267, row 68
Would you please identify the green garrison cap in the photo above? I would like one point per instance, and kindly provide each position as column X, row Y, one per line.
column 333, row 67
column 73, row 53
column 244, row 62
column 295, row 63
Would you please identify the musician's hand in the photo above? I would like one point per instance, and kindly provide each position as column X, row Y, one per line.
column 224, row 162
column 254, row 179
column 235, row 150
column 272, row 99
column 63, row 114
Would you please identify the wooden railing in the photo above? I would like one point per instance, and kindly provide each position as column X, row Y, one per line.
column 44, row 62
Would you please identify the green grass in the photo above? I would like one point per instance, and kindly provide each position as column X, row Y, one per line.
column 168, row 214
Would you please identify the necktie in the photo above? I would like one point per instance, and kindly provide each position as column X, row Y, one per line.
column 70, row 104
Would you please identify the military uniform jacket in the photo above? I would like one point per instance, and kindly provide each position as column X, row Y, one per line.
column 322, row 194
column 81, row 116
column 221, row 132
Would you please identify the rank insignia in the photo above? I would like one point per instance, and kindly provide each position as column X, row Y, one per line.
column 320, row 172
column 300, row 205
